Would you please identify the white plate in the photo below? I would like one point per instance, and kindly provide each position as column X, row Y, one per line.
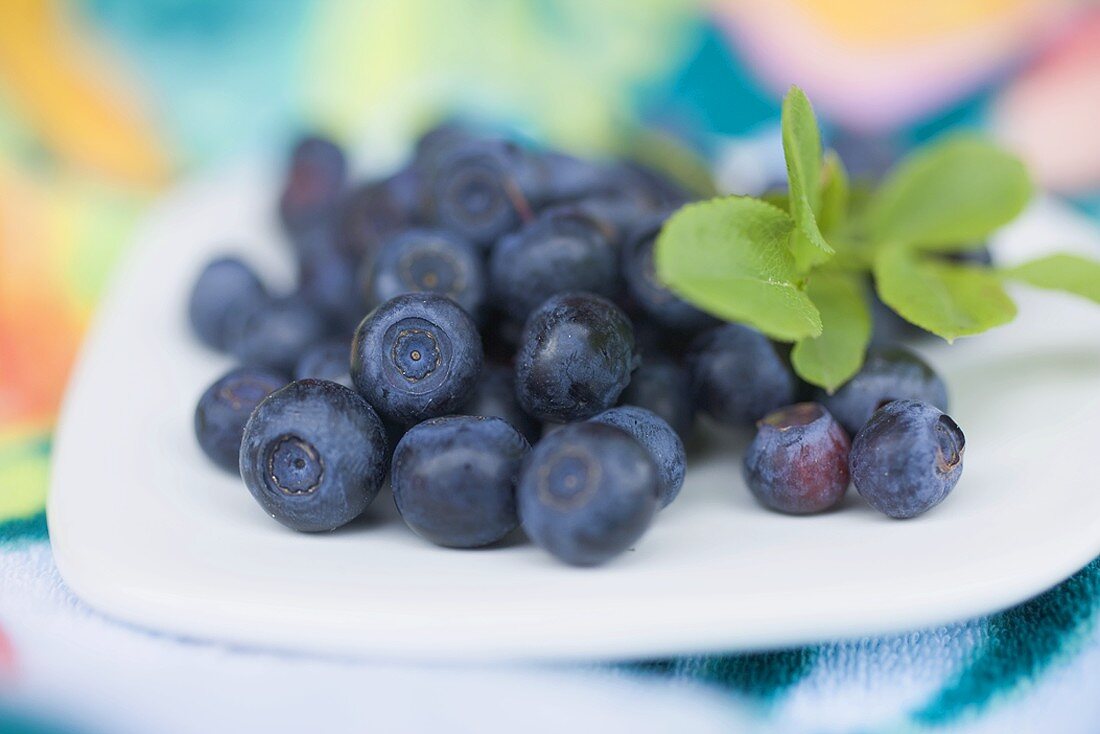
column 146, row 530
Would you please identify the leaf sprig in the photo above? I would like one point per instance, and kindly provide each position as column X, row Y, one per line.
column 796, row 267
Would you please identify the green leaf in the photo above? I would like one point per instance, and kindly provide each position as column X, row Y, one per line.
column 730, row 257
column 1070, row 273
column 777, row 198
column 831, row 359
column 949, row 195
column 802, row 151
column 834, row 194
column 946, row 299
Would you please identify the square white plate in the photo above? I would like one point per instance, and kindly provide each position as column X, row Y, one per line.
column 146, row 530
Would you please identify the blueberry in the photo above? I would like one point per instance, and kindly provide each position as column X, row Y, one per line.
column 798, row 461
column 575, row 357
column 737, row 375
column 587, row 492
column 274, row 333
column 622, row 199
column 439, row 141
column 454, row 479
column 664, row 387
column 619, row 193
column 224, row 287
column 326, row 360
column 889, row 373
column 662, row 191
column 658, row 438
column 224, row 408
column 327, row 277
column 416, row 356
column 313, row 455
column 478, row 191
column 314, row 183
column 378, row 210
column 495, row 395
column 868, row 157
column 657, row 301
column 557, row 253
column 907, row 458
column 887, row 327
column 654, row 341
column 564, row 178
column 427, row 261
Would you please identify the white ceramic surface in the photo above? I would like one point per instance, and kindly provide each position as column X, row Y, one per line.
column 146, row 530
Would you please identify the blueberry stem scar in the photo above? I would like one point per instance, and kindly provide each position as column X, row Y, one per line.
column 577, row 493
column 299, row 463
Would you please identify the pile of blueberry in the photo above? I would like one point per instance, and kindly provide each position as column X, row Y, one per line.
column 519, row 364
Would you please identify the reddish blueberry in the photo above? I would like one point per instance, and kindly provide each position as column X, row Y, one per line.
column 798, row 461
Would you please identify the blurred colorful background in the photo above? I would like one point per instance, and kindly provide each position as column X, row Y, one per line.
column 106, row 104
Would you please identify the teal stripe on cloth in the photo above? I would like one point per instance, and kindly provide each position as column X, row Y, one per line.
column 763, row 676
column 1018, row 647
column 31, row 528
column 1022, row 643
column 16, row 722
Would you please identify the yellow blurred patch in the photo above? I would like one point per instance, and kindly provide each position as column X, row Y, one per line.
column 565, row 71
column 62, row 89
column 886, row 21
column 24, row 467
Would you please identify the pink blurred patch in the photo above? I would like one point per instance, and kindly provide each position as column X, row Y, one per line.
column 1050, row 113
column 7, row 656
column 876, row 86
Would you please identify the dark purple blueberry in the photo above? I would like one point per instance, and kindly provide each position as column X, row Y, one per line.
column 315, row 182
column 889, row 373
column 495, row 395
column 427, row 261
column 888, row 328
column 479, row 191
column 416, row 356
column 274, row 333
column 379, row 210
column 623, row 198
column 663, row 192
column 907, row 458
column 566, row 179
column 647, row 291
column 737, row 375
column 664, row 387
column 867, row 157
column 326, row 360
column 313, row 455
column 587, row 492
column 575, row 357
column 798, row 461
column 224, row 408
column 557, row 253
column 438, row 142
column 225, row 286
column 454, row 479
column 658, row 438
column 654, row 341
column 327, row 277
